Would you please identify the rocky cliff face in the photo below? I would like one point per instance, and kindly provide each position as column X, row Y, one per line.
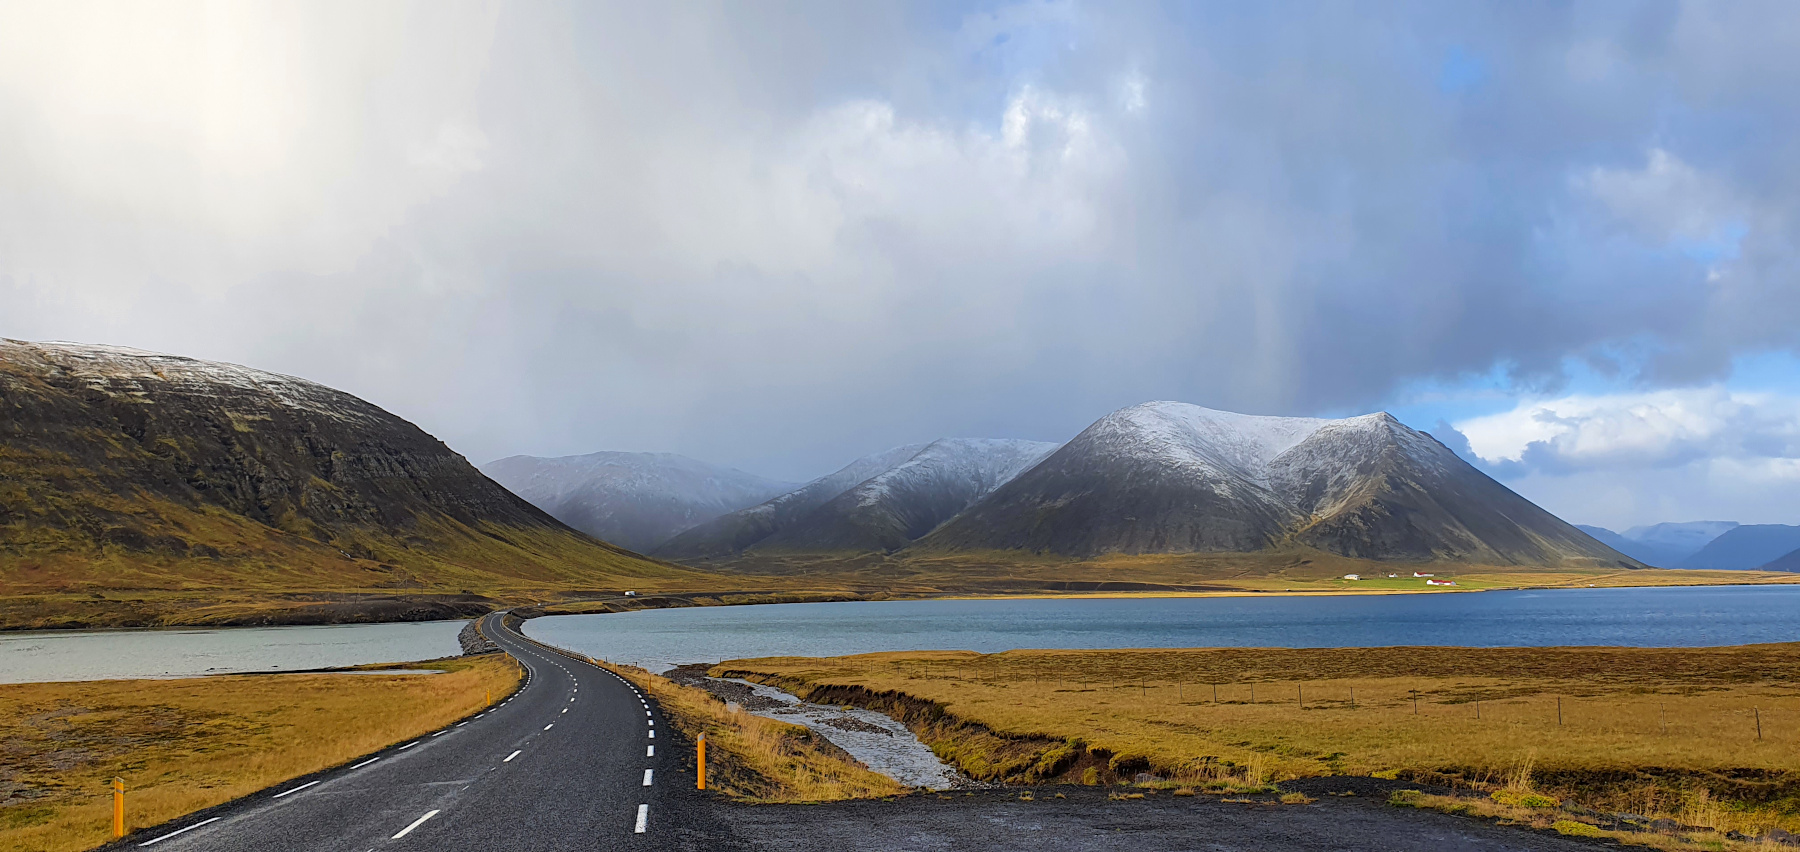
column 131, row 469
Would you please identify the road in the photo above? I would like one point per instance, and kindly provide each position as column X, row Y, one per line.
column 571, row 761
column 578, row 760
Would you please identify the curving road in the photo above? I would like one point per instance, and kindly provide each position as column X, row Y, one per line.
column 571, row 761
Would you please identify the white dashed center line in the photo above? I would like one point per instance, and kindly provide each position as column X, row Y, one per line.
column 415, row 824
column 511, row 756
column 643, row 818
column 549, row 726
column 647, row 776
column 650, row 751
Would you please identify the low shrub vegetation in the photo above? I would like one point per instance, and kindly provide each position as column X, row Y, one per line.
column 1702, row 737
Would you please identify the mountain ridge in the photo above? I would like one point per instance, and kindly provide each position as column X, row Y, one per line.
column 636, row 500
column 1169, row 477
column 180, row 483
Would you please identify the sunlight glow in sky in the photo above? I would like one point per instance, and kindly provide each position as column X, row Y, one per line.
column 1565, row 239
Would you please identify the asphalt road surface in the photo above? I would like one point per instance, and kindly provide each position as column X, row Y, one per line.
column 578, row 760
column 1086, row 820
column 574, row 760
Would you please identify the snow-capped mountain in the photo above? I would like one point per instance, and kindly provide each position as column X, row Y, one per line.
column 734, row 532
column 892, row 508
column 1167, row 477
column 634, row 500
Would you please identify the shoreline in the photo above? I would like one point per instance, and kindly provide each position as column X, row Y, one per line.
column 616, row 602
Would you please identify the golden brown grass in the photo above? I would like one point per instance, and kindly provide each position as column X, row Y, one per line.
column 1641, row 729
column 756, row 759
column 184, row 745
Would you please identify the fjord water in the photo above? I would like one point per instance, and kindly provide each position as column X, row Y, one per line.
column 1660, row 617
column 108, row 654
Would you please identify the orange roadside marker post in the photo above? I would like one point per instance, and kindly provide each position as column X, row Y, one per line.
column 700, row 778
column 118, row 807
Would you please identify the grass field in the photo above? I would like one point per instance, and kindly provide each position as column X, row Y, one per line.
column 184, row 745
column 1647, row 731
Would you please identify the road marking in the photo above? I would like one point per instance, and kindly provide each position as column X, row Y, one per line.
column 647, row 777
column 415, row 824
column 650, row 752
column 549, row 726
column 652, row 733
column 511, row 756
column 297, row 789
column 365, row 763
column 409, row 745
column 185, row 830
column 643, row 818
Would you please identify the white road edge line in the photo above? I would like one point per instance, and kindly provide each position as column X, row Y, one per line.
column 365, row 763
column 643, row 818
column 511, row 756
column 297, row 789
column 415, row 824
column 647, row 776
column 180, row 831
column 408, row 745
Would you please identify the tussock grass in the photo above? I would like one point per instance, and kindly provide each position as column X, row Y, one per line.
column 184, row 745
column 1643, row 730
column 756, row 759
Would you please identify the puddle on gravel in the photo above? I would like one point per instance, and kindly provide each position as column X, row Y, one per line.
column 881, row 743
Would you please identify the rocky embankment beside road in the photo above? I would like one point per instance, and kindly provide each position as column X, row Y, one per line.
column 473, row 642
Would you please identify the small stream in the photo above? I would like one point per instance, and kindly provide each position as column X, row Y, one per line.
column 879, row 742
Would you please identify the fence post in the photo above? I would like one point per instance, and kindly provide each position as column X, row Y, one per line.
column 700, row 776
column 1758, row 712
column 118, row 807
column 1559, row 711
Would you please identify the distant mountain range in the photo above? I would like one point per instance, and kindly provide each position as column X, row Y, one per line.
column 208, row 492
column 1162, row 478
column 634, row 500
column 878, row 503
column 1708, row 545
column 1746, row 547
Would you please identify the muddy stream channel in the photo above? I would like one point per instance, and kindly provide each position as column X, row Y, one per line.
column 881, row 743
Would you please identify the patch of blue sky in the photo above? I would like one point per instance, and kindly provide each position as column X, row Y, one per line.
column 1721, row 245
column 1460, row 71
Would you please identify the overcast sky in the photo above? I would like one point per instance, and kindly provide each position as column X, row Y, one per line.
column 1564, row 238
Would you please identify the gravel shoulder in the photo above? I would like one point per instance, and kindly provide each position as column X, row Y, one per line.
column 998, row 821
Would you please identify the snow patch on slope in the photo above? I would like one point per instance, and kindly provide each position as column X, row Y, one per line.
column 115, row 369
column 986, row 463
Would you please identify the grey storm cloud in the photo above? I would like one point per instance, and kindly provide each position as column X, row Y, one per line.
column 784, row 235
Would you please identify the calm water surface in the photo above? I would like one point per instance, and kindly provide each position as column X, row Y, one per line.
column 108, row 654
column 1671, row 617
